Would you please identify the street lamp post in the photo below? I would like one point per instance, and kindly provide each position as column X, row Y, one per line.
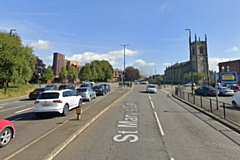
column 11, row 30
column 124, row 72
column 189, row 30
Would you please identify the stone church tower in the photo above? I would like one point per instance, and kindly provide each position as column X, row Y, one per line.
column 199, row 57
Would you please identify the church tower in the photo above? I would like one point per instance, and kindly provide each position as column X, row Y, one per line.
column 199, row 56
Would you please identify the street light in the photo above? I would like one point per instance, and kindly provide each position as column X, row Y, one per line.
column 124, row 45
column 11, row 30
column 189, row 30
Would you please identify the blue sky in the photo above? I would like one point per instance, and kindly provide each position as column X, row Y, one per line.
column 153, row 29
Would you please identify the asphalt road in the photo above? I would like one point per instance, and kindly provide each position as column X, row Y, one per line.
column 143, row 126
column 29, row 128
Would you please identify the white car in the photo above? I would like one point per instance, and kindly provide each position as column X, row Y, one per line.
column 236, row 99
column 57, row 101
column 151, row 88
column 225, row 91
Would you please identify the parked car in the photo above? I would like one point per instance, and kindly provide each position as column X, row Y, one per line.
column 189, row 84
column 143, row 82
column 225, row 91
column 57, row 101
column 235, row 88
column 107, row 87
column 136, row 82
column 7, row 132
column 86, row 85
column 151, row 88
column 66, row 86
column 206, row 91
column 100, row 89
column 34, row 94
column 51, row 87
column 236, row 99
column 86, row 93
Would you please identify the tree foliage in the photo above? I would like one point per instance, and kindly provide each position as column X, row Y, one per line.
column 197, row 76
column 97, row 71
column 16, row 60
column 49, row 75
column 131, row 73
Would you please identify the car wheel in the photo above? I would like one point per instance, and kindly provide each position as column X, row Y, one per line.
column 234, row 104
column 65, row 110
column 5, row 137
column 205, row 94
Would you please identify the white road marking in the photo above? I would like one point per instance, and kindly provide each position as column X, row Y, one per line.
column 159, row 124
column 12, row 108
column 152, row 104
column 4, row 104
column 24, row 110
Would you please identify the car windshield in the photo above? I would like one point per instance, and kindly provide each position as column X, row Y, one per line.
column 151, row 86
column 49, row 95
column 82, row 90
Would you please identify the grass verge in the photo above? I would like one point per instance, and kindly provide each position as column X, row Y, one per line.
column 15, row 90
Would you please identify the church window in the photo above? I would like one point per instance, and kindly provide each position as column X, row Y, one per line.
column 201, row 49
column 222, row 68
column 228, row 69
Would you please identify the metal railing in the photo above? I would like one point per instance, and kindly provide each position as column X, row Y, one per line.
column 222, row 109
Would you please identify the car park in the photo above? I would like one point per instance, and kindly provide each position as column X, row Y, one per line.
column 7, row 132
column 225, row 91
column 151, row 88
column 86, row 93
column 100, row 90
column 57, row 101
column 206, row 91
column 34, row 94
column 66, row 86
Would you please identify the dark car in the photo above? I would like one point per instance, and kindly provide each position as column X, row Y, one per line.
column 66, row 86
column 34, row 94
column 86, row 85
column 107, row 87
column 51, row 87
column 206, row 91
column 100, row 89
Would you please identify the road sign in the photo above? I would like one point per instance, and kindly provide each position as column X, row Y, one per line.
column 229, row 77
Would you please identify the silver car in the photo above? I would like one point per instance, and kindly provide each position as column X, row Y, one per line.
column 87, row 93
column 151, row 88
column 225, row 91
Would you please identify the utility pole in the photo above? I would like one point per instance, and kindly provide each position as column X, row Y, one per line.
column 189, row 30
column 124, row 72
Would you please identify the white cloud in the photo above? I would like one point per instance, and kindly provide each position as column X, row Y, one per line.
column 41, row 45
column 233, row 49
column 142, row 63
column 213, row 62
column 112, row 56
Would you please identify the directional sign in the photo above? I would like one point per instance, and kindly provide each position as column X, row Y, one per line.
column 229, row 77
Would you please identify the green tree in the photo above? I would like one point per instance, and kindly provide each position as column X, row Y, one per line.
column 63, row 74
column 197, row 76
column 16, row 60
column 86, row 72
column 131, row 73
column 49, row 75
column 160, row 79
column 72, row 72
column 94, row 73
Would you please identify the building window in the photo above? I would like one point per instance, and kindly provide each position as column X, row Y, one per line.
column 202, row 67
column 228, row 69
column 201, row 49
column 222, row 69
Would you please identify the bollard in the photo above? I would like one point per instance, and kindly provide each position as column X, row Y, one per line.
column 78, row 112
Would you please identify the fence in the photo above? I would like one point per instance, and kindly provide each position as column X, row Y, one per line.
column 219, row 108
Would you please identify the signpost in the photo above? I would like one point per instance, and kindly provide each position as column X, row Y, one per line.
column 228, row 77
